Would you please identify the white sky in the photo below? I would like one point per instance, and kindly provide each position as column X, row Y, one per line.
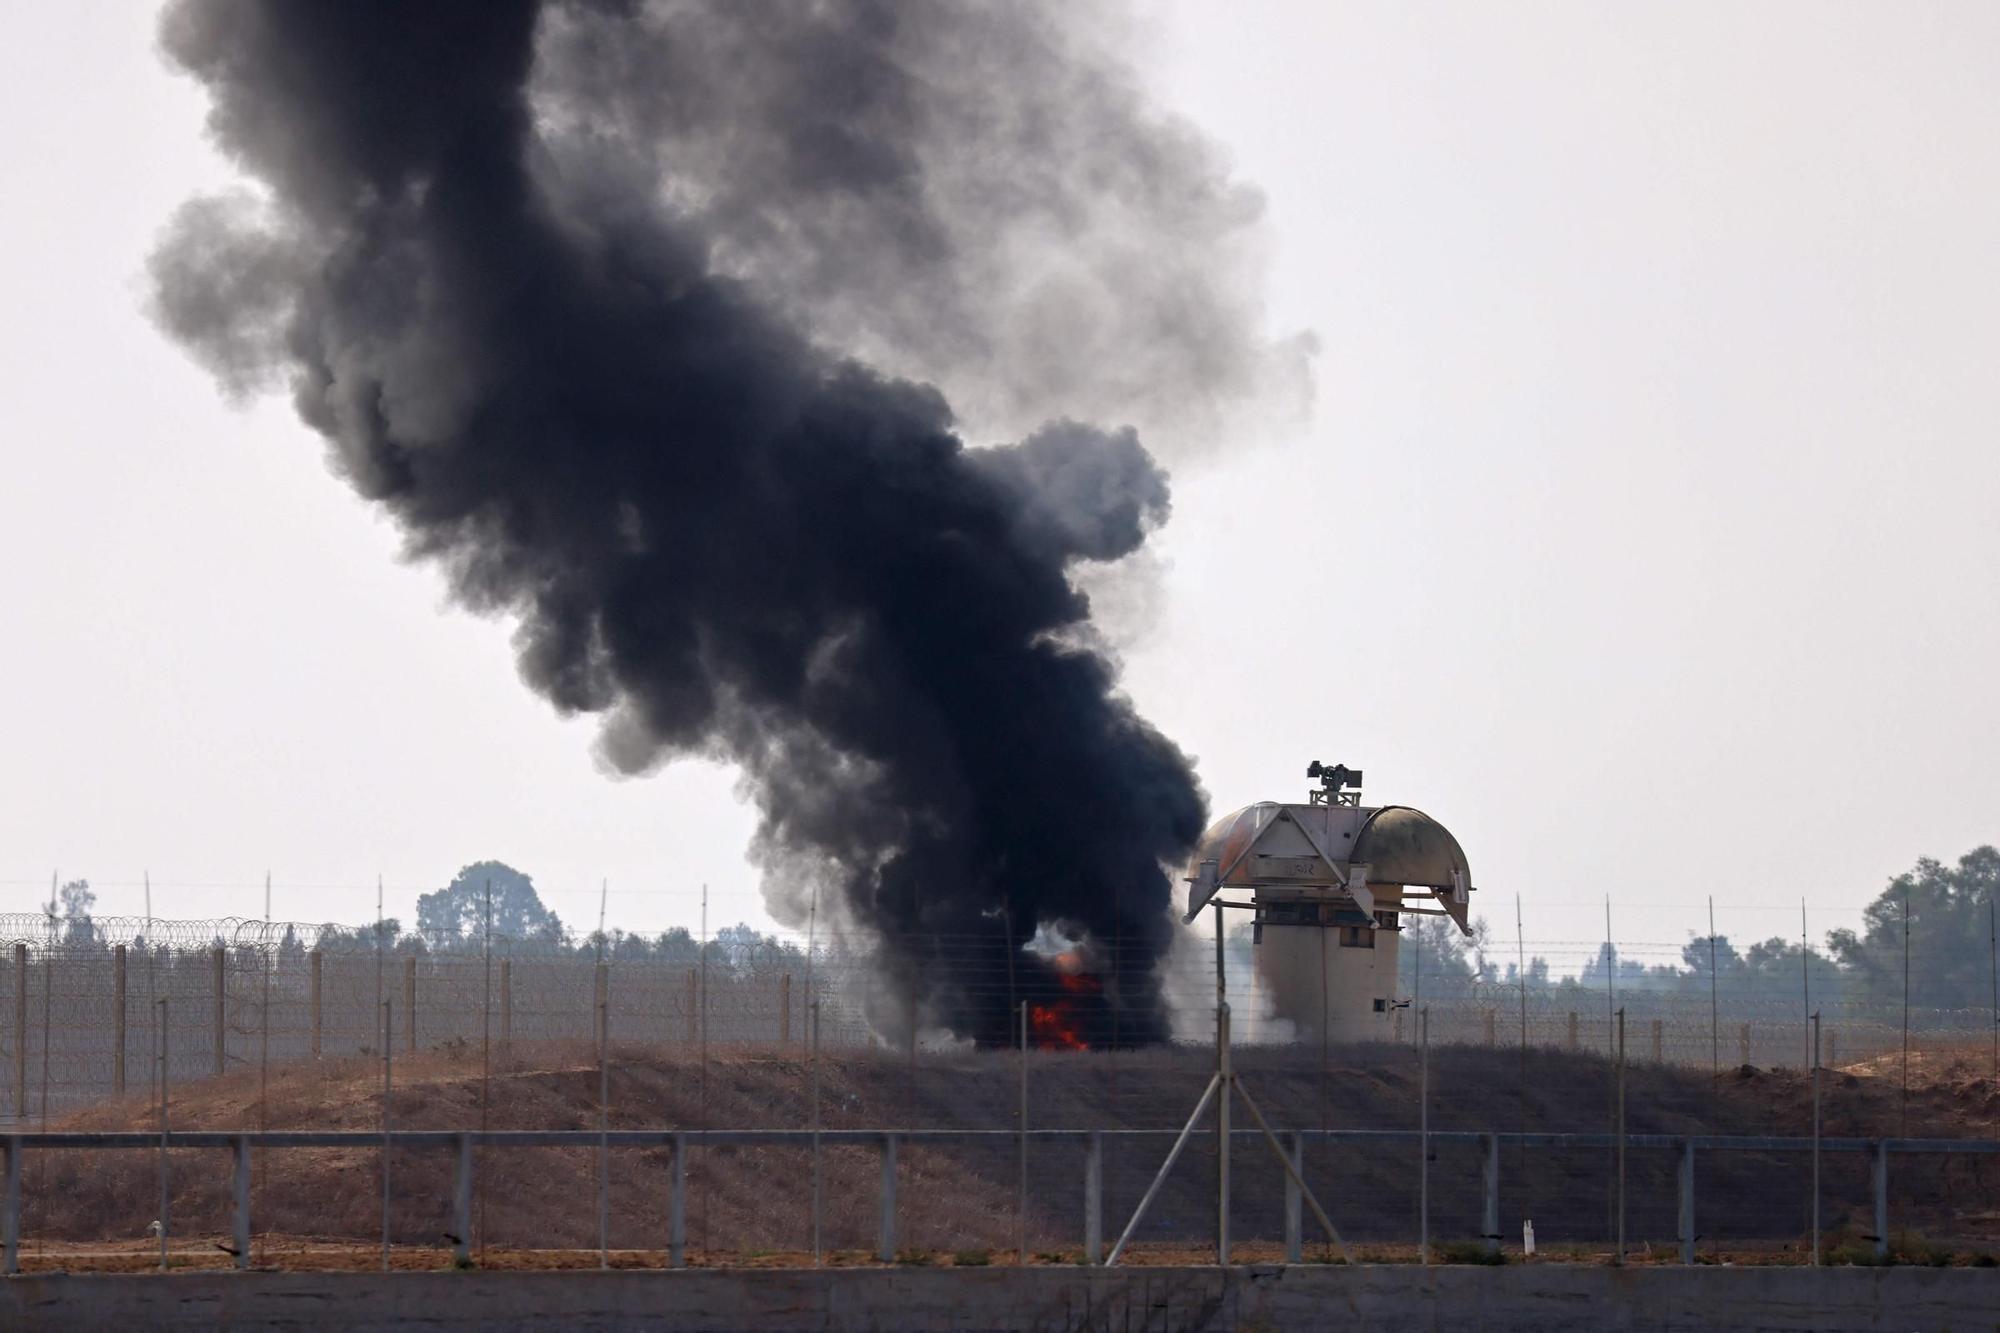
column 1645, row 533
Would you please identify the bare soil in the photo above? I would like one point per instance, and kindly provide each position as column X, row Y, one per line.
column 536, row 1208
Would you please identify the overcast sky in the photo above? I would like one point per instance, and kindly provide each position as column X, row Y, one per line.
column 1643, row 532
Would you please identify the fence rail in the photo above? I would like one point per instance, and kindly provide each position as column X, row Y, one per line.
column 681, row 1143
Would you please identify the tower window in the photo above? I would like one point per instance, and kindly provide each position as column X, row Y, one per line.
column 1357, row 937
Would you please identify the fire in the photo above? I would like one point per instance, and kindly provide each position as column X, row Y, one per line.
column 1056, row 1026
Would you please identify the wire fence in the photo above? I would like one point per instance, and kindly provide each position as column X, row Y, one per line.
column 253, row 1026
column 81, row 1012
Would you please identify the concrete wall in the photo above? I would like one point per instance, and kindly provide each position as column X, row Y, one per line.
column 1290, row 961
column 1546, row 1298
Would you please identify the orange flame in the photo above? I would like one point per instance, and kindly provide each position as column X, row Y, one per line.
column 1056, row 1026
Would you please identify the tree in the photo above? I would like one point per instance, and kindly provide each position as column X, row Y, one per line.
column 1949, row 917
column 459, row 909
column 77, row 900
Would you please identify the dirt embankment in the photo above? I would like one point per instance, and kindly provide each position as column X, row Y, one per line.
column 753, row 1203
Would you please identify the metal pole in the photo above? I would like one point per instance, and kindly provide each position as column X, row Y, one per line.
column 220, row 962
column 1159, row 1179
column 1903, row 1117
column 885, row 1230
column 1687, row 1201
column 677, row 1205
column 1294, row 1213
column 10, row 1223
column 1621, row 1136
column 1815, row 1171
column 240, row 1190
column 604, row 1130
column 819, row 1255
column 21, row 1032
column 485, row 1052
column 461, row 1205
column 1021, row 1196
column 1423, row 1136
column 1805, row 989
column 1993, row 965
column 1714, row 1009
column 1881, row 1183
column 118, row 1021
column 163, row 1221
column 1491, row 1185
column 318, row 1018
column 1093, row 1199
column 1225, row 1077
column 388, row 1040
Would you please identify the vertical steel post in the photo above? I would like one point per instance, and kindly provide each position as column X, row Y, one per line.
column 1621, row 1136
column 603, row 1120
column 1687, row 1201
column 10, row 1207
column 1223, row 1098
column 1491, row 1183
column 1294, row 1219
column 388, row 1040
column 693, row 1006
column 410, row 1004
column 677, row 1194
column 1815, row 1171
column 21, row 1032
column 1881, row 1183
column 818, row 1178
column 1093, row 1198
column 885, row 1233
column 1424, row 1137
column 240, row 1194
column 118, row 1021
column 163, row 1221
column 506, row 1004
column 221, row 990
column 461, row 1204
column 1021, row 1194
column 318, row 1016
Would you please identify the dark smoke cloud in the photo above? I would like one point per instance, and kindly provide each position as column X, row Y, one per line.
column 559, row 287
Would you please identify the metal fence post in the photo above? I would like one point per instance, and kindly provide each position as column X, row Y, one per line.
column 240, row 1189
column 318, row 1013
column 677, row 1193
column 1881, row 1198
column 221, row 988
column 1294, row 1223
column 118, row 1021
column 1491, row 1182
column 885, row 1243
column 21, row 1032
column 410, row 1004
column 1093, row 1199
column 1687, row 1201
column 461, row 1204
column 10, row 1208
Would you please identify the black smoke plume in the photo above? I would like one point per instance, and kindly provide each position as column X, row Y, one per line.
column 603, row 397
